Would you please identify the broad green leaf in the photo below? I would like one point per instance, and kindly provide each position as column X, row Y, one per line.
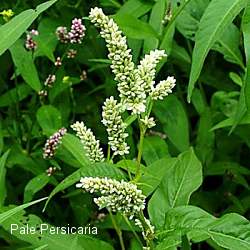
column 228, row 44
column 135, row 8
column 49, row 118
column 244, row 100
column 199, row 102
column 235, row 78
column 25, row 65
column 130, row 166
column 134, row 28
column 95, row 170
column 154, row 173
column 228, row 41
column 72, row 151
column 180, row 57
column 205, row 137
column 1, row 137
column 47, row 40
column 44, row 233
column 20, row 158
column 177, row 185
column 222, row 167
column 170, row 243
column 154, row 148
column 171, row 114
column 155, row 20
column 6, row 215
column 11, row 31
column 15, row 95
column 231, row 231
column 2, row 177
column 35, row 185
column 217, row 16
column 230, row 121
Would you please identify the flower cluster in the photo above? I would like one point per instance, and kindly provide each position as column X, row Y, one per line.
column 75, row 35
column 134, row 83
column 77, row 31
column 50, row 80
column 111, row 118
column 146, row 231
column 7, row 14
column 52, row 143
column 148, row 122
column 62, row 34
column 118, row 196
column 91, row 145
column 58, row 61
column 131, row 92
column 147, row 68
column 30, row 44
column 163, row 88
column 71, row 53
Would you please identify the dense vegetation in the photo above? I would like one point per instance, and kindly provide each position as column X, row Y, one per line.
column 125, row 124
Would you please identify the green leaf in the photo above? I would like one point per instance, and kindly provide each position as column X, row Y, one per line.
column 12, row 30
column 54, row 237
column 230, row 121
column 135, row 8
column 49, row 118
column 134, row 28
column 169, row 243
column 15, row 95
column 205, row 137
column 217, row 16
column 177, row 185
column 6, row 215
column 222, row 167
column 94, row 170
column 231, row 231
column 2, row 177
column 35, row 185
column 154, row 148
column 244, row 101
column 73, row 148
column 171, row 114
column 228, row 44
column 155, row 20
column 25, row 65
column 46, row 41
column 1, row 137
column 154, row 173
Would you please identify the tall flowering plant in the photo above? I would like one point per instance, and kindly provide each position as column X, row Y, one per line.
column 137, row 92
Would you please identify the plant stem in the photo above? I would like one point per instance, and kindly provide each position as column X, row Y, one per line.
column 118, row 230
column 138, row 170
column 151, row 236
column 108, row 153
column 133, row 231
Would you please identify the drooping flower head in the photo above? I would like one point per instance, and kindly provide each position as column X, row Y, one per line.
column 52, row 143
column 112, row 120
column 91, row 145
column 118, row 196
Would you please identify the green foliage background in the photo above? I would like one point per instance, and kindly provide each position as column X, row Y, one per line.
column 198, row 154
